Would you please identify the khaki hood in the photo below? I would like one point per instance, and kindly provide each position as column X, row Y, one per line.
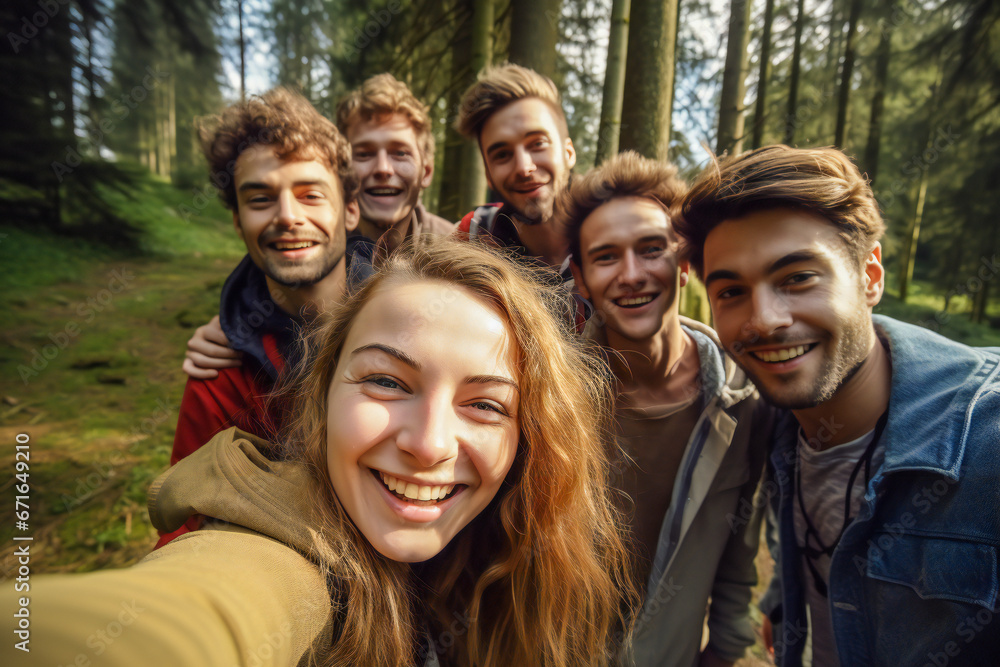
column 231, row 480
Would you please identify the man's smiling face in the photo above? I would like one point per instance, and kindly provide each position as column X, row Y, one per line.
column 291, row 215
column 790, row 304
column 629, row 267
column 527, row 161
column 387, row 160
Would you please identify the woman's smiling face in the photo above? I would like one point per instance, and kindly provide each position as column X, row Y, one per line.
column 422, row 421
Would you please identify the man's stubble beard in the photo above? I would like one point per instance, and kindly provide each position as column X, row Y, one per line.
column 847, row 359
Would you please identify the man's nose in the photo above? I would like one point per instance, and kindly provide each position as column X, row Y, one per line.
column 383, row 165
column 633, row 274
column 523, row 163
column 770, row 312
column 289, row 209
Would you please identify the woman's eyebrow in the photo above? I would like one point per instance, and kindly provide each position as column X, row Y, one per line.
column 490, row 379
column 392, row 352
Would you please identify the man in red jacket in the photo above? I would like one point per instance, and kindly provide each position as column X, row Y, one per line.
column 285, row 172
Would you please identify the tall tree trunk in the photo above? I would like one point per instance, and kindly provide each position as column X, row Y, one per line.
column 913, row 237
column 734, row 80
column 649, row 78
column 913, row 233
column 847, row 72
column 878, row 98
column 474, row 174
column 614, row 83
column 791, row 121
column 243, row 52
column 93, row 101
column 534, row 32
column 450, row 196
column 763, row 77
column 981, row 301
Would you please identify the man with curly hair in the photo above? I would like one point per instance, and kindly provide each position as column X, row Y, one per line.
column 285, row 172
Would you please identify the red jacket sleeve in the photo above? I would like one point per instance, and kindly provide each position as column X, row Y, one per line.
column 207, row 408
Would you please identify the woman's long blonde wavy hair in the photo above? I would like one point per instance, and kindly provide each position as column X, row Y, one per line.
column 539, row 577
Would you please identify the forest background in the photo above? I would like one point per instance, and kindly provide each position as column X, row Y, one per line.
column 113, row 245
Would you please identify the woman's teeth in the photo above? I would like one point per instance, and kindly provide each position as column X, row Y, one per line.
column 412, row 491
column 773, row 356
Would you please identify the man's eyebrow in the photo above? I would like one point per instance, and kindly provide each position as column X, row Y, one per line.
column 608, row 246
column 490, row 379
column 253, row 185
column 721, row 274
column 500, row 144
column 793, row 258
column 257, row 185
column 600, row 248
column 392, row 352
column 776, row 265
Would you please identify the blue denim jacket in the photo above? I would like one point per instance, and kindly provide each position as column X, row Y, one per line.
column 914, row 578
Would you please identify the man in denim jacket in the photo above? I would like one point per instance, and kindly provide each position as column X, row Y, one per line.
column 886, row 470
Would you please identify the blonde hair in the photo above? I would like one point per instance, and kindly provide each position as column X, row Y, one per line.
column 823, row 181
column 627, row 174
column 497, row 87
column 539, row 576
column 282, row 119
column 383, row 95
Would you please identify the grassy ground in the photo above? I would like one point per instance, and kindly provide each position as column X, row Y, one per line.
column 90, row 361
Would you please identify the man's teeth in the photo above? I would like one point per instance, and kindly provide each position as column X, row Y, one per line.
column 635, row 301
column 293, row 245
column 381, row 192
column 781, row 355
column 416, row 491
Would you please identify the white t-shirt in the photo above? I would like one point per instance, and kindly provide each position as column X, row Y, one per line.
column 825, row 476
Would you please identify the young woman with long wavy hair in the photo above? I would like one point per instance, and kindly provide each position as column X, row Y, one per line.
column 440, row 498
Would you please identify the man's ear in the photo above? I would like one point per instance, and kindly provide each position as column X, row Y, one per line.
column 570, row 151
column 685, row 272
column 874, row 276
column 425, row 180
column 237, row 225
column 578, row 278
column 352, row 215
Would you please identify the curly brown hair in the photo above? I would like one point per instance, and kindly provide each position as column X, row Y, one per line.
column 625, row 175
column 383, row 95
column 823, row 181
column 284, row 120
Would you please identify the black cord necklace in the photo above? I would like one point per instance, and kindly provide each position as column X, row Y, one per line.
column 813, row 553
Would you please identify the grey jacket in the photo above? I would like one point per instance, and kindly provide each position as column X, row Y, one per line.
column 709, row 536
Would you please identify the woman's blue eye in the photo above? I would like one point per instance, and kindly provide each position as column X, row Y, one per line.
column 384, row 382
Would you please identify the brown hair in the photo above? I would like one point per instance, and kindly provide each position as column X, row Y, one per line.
column 539, row 575
column 823, row 181
column 627, row 174
column 279, row 118
column 497, row 87
column 383, row 95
